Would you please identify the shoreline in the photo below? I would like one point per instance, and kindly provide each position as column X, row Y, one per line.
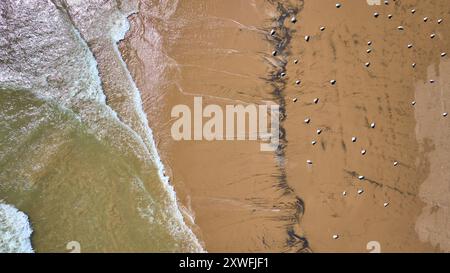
column 350, row 181
column 275, row 207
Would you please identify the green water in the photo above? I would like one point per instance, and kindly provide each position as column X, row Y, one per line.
column 75, row 187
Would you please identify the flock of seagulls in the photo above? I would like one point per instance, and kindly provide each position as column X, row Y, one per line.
column 333, row 82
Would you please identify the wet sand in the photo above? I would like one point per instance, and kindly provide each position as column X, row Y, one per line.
column 242, row 199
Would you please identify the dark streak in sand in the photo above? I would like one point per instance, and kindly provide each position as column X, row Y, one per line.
column 281, row 41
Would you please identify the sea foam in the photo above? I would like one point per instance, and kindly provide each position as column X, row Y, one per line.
column 15, row 230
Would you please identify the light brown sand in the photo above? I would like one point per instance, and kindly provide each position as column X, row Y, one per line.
column 381, row 93
column 237, row 193
column 215, row 49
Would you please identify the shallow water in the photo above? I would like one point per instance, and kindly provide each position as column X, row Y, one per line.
column 81, row 168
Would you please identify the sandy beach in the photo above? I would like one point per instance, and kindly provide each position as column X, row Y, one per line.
column 93, row 157
column 389, row 184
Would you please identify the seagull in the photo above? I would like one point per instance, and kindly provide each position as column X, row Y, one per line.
column 390, row 16
column 272, row 32
column 322, row 28
column 313, row 142
column 307, row 38
column 425, row 19
column 372, row 125
column 443, row 54
column 367, row 64
column 307, row 120
column 309, row 162
column 361, row 177
column 274, row 53
column 400, row 28
column 338, row 5
column 293, row 19
column 369, row 43
column 297, row 82
column 295, row 61
column 354, row 139
column 445, row 114
column 414, row 65
column 410, row 46
column 333, row 82
column 360, row 191
column 413, row 103
column 395, row 163
column 440, row 21
column 385, row 204
column 319, row 131
column 336, row 236
column 294, row 100
column 413, row 11
column 369, row 50
column 432, row 36
column 344, row 193
column 363, row 152
column 316, row 100
column 376, row 14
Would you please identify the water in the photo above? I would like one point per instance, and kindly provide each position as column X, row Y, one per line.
column 15, row 230
column 82, row 167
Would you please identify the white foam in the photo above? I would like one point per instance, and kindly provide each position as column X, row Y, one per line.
column 118, row 33
column 15, row 231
